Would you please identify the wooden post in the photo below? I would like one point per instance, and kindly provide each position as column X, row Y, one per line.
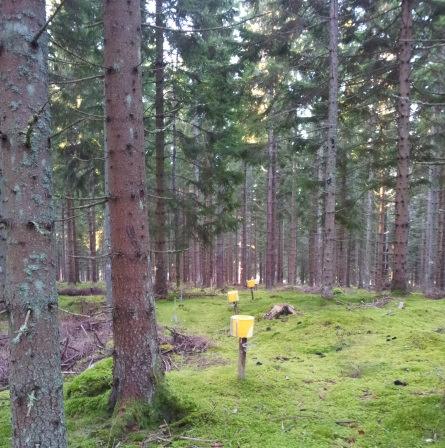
column 251, row 292
column 242, row 358
column 235, row 308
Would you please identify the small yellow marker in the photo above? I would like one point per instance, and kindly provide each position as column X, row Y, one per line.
column 233, row 299
column 241, row 326
column 251, row 285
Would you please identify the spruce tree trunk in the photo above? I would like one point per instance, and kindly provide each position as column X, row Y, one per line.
column 329, row 213
column 220, row 269
column 71, row 246
column 176, row 229
column 319, row 198
column 312, row 253
column 366, row 255
column 280, row 256
column 440, row 271
column 136, row 348
column 399, row 279
column 92, row 242
column 236, row 273
column 342, row 233
column 243, row 270
column 35, row 379
column 161, row 289
column 380, row 258
column 63, row 244
column 292, row 260
column 271, row 212
column 431, row 232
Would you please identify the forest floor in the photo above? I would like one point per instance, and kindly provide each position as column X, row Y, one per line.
column 350, row 372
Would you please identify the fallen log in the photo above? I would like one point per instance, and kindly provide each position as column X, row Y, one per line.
column 93, row 291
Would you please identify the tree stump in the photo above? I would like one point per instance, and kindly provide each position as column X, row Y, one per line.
column 282, row 309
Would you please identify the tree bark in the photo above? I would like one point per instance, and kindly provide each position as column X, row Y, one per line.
column 380, row 258
column 329, row 214
column 36, row 384
column 271, row 212
column 280, row 257
column 136, row 348
column 431, row 232
column 440, row 271
column 176, row 229
column 292, row 260
column 92, row 241
column 161, row 289
column 342, row 232
column 399, row 279
column 71, row 246
column 220, row 261
column 243, row 270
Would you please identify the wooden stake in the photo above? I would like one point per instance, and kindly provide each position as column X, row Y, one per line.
column 235, row 308
column 251, row 292
column 242, row 358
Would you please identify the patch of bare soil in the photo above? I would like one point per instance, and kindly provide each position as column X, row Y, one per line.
column 87, row 338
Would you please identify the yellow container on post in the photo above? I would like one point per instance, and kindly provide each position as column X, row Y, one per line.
column 232, row 296
column 251, row 283
column 241, row 326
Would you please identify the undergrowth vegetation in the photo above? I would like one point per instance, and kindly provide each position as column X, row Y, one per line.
column 340, row 373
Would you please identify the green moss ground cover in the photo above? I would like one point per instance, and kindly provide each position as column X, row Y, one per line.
column 323, row 378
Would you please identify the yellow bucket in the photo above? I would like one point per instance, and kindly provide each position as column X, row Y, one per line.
column 232, row 296
column 241, row 326
column 251, row 283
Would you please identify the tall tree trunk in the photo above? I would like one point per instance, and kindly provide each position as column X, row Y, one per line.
column 431, row 232
column 331, row 148
column 342, row 232
column 440, row 271
column 399, row 279
column 107, row 246
column 271, row 211
column 292, row 260
column 312, row 253
column 236, row 273
column 76, row 251
column 320, row 199
column 381, row 243
column 280, row 257
column 366, row 254
column 243, row 270
column 176, row 229
column 161, row 289
column 92, row 241
column 36, row 385
column 220, row 269
column 136, row 348
column 63, row 244
column 71, row 245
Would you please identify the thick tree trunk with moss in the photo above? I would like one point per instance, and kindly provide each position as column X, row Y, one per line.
column 136, row 348
column 161, row 289
column 399, row 279
column 36, row 385
column 328, row 277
